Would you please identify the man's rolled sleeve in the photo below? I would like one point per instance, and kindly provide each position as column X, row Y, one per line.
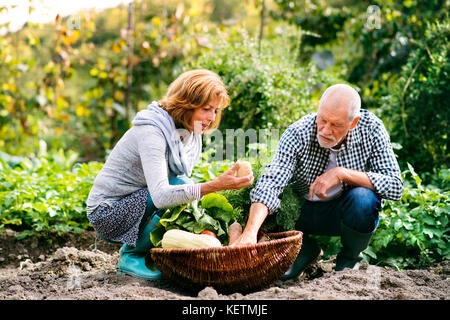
column 278, row 173
column 384, row 172
column 264, row 194
column 390, row 188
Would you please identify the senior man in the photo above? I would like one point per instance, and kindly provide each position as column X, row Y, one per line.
column 341, row 160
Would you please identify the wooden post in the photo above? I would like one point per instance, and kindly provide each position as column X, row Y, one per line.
column 130, row 58
column 262, row 25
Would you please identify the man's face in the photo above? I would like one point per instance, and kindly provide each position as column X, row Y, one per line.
column 333, row 124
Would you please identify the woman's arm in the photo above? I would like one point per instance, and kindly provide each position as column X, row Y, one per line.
column 152, row 151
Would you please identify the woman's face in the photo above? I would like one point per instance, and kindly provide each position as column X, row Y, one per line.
column 203, row 117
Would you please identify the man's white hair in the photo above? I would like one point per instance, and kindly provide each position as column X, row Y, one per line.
column 354, row 105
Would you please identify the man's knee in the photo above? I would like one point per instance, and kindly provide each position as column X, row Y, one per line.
column 360, row 210
column 364, row 198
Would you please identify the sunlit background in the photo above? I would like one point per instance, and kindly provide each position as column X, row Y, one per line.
column 21, row 11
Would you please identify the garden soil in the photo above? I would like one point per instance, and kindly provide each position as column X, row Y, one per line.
column 68, row 268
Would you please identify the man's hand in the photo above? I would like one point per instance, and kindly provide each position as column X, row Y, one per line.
column 258, row 213
column 325, row 182
column 336, row 176
column 246, row 238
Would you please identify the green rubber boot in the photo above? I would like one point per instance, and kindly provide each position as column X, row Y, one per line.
column 310, row 252
column 132, row 259
column 353, row 243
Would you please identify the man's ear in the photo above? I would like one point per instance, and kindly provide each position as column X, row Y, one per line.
column 355, row 122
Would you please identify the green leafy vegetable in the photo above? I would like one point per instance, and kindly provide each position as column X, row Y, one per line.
column 218, row 207
column 213, row 213
column 171, row 215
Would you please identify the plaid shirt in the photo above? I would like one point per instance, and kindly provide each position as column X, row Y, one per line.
column 299, row 160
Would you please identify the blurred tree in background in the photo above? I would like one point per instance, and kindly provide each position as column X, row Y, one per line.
column 267, row 89
column 67, row 87
column 417, row 105
column 396, row 53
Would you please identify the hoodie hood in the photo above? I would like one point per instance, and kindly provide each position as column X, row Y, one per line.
column 154, row 115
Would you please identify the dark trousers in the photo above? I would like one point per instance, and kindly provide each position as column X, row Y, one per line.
column 357, row 209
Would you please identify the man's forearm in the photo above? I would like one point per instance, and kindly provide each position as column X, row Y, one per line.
column 355, row 178
column 257, row 215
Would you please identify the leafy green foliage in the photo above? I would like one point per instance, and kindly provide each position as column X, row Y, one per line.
column 414, row 232
column 417, row 105
column 45, row 194
column 213, row 213
column 320, row 22
column 382, row 51
column 69, row 87
column 267, row 90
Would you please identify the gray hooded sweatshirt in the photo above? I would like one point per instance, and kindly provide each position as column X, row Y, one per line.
column 147, row 156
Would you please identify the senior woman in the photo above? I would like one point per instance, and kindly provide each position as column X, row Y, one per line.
column 148, row 169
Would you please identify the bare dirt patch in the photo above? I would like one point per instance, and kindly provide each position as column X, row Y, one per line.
column 68, row 268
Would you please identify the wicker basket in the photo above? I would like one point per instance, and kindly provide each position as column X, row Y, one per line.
column 230, row 269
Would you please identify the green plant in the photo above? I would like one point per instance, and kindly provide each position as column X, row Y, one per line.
column 413, row 232
column 377, row 43
column 267, row 90
column 320, row 22
column 417, row 107
column 45, row 194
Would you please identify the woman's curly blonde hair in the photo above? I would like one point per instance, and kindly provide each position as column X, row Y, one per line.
column 191, row 90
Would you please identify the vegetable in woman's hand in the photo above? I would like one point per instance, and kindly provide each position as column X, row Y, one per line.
column 229, row 180
column 245, row 168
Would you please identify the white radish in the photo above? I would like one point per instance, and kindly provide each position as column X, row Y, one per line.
column 234, row 231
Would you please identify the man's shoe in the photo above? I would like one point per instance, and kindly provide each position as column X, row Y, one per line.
column 310, row 253
column 353, row 243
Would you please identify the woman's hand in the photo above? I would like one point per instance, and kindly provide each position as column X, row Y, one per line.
column 229, row 180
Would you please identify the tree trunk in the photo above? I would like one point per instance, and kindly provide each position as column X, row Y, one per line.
column 130, row 58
